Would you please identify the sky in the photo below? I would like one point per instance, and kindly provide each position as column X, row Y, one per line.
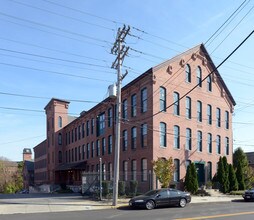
column 61, row 49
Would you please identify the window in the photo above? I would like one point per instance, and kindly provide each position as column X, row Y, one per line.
column 177, row 170
column 199, row 141
column 226, row 120
column 199, row 76
column 134, row 105
column 125, row 105
column 103, row 146
column 163, row 134
column 209, row 143
column 72, row 155
column 60, row 122
column 76, row 153
column 226, row 145
column 209, row 83
column 92, row 125
column 69, row 156
column 110, row 117
column 187, row 73
column 72, row 136
column 87, row 128
column 83, row 152
column 79, row 153
column 163, row 96
column 87, row 151
column 110, row 144
column 134, row 170
column 134, row 138
column 101, row 124
column 199, row 111
column 144, row 135
column 59, row 139
column 218, row 144
column 76, row 131
column 83, row 130
column 66, row 156
column 188, row 139
column 98, row 148
column 143, row 169
column 176, row 104
column 218, row 117
column 92, row 145
column 79, row 132
column 188, row 107
column 209, row 171
column 60, row 157
column 110, row 171
column 209, row 114
column 125, row 140
column 176, row 137
column 144, row 100
column 125, row 170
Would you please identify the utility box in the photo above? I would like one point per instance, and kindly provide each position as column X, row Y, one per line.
column 112, row 91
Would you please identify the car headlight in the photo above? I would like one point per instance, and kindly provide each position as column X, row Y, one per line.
column 140, row 200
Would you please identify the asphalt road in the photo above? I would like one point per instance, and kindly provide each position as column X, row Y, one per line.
column 222, row 210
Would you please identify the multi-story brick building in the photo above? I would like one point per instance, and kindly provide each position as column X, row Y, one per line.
column 162, row 116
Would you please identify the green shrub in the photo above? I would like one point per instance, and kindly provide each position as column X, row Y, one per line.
column 121, row 188
column 133, row 187
column 105, row 188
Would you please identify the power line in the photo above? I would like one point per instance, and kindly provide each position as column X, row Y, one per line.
column 54, row 28
column 225, row 23
column 54, row 72
column 61, row 15
column 52, row 58
column 233, row 29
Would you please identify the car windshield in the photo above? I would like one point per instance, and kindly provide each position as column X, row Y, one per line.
column 152, row 192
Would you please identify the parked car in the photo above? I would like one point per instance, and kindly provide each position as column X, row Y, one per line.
column 248, row 195
column 161, row 197
column 23, row 191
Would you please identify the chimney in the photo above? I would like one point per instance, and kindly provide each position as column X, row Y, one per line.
column 27, row 154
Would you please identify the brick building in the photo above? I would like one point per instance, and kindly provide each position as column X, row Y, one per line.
column 157, row 121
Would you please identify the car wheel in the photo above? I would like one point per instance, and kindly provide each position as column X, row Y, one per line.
column 150, row 204
column 182, row 203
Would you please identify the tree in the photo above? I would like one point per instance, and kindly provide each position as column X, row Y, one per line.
column 240, row 177
column 225, row 181
column 233, row 184
column 222, row 174
column 249, row 179
column 191, row 179
column 164, row 170
column 240, row 162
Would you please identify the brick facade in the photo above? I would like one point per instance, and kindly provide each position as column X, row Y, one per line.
column 197, row 130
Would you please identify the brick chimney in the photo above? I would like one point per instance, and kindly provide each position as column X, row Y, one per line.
column 27, row 154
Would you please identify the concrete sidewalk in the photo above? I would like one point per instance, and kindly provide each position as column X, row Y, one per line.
column 30, row 204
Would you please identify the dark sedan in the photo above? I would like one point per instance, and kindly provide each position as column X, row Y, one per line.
column 161, row 197
column 248, row 195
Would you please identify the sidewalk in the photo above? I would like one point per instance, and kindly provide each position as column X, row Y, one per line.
column 78, row 203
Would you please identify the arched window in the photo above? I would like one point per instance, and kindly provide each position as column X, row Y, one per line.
column 163, row 96
column 176, row 137
column 144, row 169
column 177, row 170
column 60, row 122
column 176, row 103
column 188, row 139
column 188, row 107
column 59, row 139
column 60, row 157
column 134, row 170
column 209, row 171
column 209, row 83
column 187, row 73
column 199, row 76
column 163, row 134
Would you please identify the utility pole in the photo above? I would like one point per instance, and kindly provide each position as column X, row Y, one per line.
column 120, row 50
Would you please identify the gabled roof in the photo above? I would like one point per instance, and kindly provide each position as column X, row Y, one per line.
column 196, row 49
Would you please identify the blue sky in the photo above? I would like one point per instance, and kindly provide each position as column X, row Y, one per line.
column 43, row 42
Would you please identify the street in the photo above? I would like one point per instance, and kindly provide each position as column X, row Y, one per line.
column 237, row 209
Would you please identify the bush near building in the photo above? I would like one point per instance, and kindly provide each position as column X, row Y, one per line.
column 191, row 179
